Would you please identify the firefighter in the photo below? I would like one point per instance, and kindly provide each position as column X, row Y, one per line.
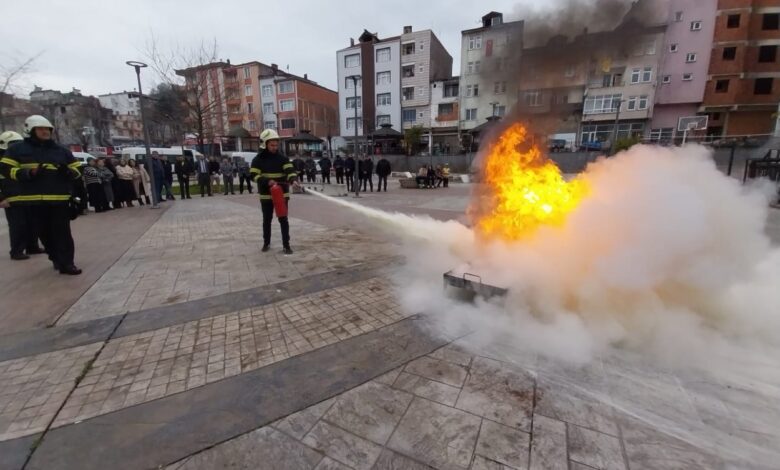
column 20, row 224
column 271, row 166
column 45, row 172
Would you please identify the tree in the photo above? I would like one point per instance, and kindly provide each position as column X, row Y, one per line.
column 12, row 72
column 167, row 113
column 187, row 68
column 412, row 138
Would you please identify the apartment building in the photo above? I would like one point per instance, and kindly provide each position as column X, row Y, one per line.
column 126, row 126
column 490, row 57
column 743, row 90
column 209, row 85
column 445, row 112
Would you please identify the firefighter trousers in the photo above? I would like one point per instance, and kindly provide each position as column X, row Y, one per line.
column 52, row 221
column 267, row 207
column 21, row 229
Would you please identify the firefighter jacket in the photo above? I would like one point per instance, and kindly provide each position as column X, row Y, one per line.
column 267, row 166
column 51, row 183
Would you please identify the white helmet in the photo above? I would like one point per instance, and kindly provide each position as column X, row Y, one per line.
column 7, row 138
column 266, row 135
column 34, row 121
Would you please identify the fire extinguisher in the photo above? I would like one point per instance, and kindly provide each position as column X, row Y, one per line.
column 277, row 196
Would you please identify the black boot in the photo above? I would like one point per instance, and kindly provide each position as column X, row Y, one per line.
column 71, row 270
column 287, row 250
column 266, row 247
column 19, row 256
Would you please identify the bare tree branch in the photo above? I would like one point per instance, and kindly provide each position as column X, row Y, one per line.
column 12, row 73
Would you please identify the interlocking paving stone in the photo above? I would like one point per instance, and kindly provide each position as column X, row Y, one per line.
column 343, row 446
column 426, row 388
column 483, row 463
column 328, row 463
column 548, row 444
column 389, row 378
column 389, row 460
column 453, row 353
column 299, row 424
column 371, row 411
column 594, row 449
column 166, row 430
column 499, row 392
column 33, row 388
column 438, row 435
column 438, row 370
column 567, row 403
column 503, row 444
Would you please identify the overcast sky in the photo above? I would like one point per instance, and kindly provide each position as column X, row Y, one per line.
column 85, row 43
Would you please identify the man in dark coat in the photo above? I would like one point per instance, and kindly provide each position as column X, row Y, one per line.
column 338, row 165
column 325, row 166
column 311, row 170
column 383, row 170
column 349, row 173
column 366, row 169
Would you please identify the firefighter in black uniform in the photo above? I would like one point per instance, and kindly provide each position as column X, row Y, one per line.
column 20, row 224
column 270, row 165
column 45, row 172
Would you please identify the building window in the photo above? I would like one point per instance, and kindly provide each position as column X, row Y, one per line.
column 569, row 72
column 729, row 53
column 763, row 86
column 421, row 68
column 268, row 108
column 678, row 16
column 451, row 91
column 673, row 48
column 407, row 71
column 250, row 108
column 352, row 60
column 612, row 79
column 475, row 42
column 382, row 119
column 767, row 53
column 663, row 134
column 352, row 100
column 446, row 108
column 286, row 87
column 472, row 90
column 732, row 21
column 499, row 88
column 383, row 78
column 350, row 122
column 407, row 49
column 288, row 123
column 472, row 67
column 421, row 91
column 771, row 21
column 252, row 125
column 695, row 25
column 721, row 86
column 642, row 102
column 533, row 98
column 409, row 115
column 687, row 77
column 499, row 111
column 247, row 72
column 383, row 55
column 408, row 93
column 644, row 75
column 690, row 57
column 269, row 124
column 247, row 90
column 349, row 83
column 650, row 47
column 601, row 104
column 667, row 79
column 286, row 105
column 631, row 104
column 383, row 99
column 471, row 114
column 268, row 90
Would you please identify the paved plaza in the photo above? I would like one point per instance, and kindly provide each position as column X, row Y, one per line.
column 185, row 347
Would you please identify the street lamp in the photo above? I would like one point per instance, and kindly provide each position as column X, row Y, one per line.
column 147, row 159
column 355, row 184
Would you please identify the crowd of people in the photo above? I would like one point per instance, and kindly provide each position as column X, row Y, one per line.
column 430, row 177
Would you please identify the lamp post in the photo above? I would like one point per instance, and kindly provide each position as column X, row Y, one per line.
column 147, row 159
column 355, row 179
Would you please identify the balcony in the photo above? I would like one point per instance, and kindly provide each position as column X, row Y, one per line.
column 235, row 117
column 231, row 83
column 233, row 101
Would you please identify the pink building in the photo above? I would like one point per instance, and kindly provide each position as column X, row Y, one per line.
column 685, row 59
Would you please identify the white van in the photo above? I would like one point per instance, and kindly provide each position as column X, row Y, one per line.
column 139, row 153
column 246, row 156
column 82, row 157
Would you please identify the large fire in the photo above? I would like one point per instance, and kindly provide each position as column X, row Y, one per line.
column 526, row 189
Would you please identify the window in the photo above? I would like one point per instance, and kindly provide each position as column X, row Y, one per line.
column 678, row 16
column 729, row 53
column 247, row 72
column 642, row 102
column 286, row 105
column 673, row 48
column 408, row 93
column 383, row 78
column 407, row 71
column 252, row 125
column 475, row 42
column 471, row 114
column 250, row 108
column 382, row 119
column 562, row 99
column 499, row 111
column 451, row 91
column 771, row 21
column 286, row 87
column 647, row 75
column 601, row 104
column 533, row 98
column 732, row 21
column 288, row 123
column 767, row 53
column 248, row 90
column 268, row 90
column 421, row 68
column 351, row 122
column 472, row 67
column 695, row 25
column 687, row 77
column 383, row 99
column 612, row 79
column 269, row 125
column 268, row 108
column 499, row 87
column 631, row 104
column 644, row 75
column 446, row 108
column 383, row 55
column 690, row 57
column 472, row 90
column 351, row 102
column 763, row 86
column 663, row 134
column 409, row 115
column 421, row 91
column 62, row 109
column 352, row 60
column 349, row 83
column 667, row 79
column 650, row 47
column 570, row 71
column 407, row 49
column 721, row 86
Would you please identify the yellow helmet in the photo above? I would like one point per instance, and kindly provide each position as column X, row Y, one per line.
column 9, row 137
column 36, row 121
column 266, row 135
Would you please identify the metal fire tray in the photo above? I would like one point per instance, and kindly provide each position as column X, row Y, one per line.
column 472, row 284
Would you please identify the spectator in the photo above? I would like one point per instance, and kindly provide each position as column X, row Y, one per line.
column 431, row 177
column 300, row 168
column 338, row 164
column 311, row 170
column 183, row 168
column 445, row 174
column 126, row 191
column 106, row 176
column 145, row 188
column 349, row 173
column 243, row 175
column 114, row 199
column 366, row 168
column 204, row 170
column 214, row 174
column 97, row 196
column 159, row 177
column 228, row 170
column 325, row 166
column 168, row 180
column 383, row 170
column 422, row 177
column 138, row 187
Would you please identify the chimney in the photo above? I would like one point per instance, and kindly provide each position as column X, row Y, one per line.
column 407, row 29
column 351, row 42
column 305, row 76
column 274, row 67
column 228, row 61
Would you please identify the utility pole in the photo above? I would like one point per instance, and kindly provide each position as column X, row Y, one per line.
column 148, row 158
column 355, row 178
column 615, row 131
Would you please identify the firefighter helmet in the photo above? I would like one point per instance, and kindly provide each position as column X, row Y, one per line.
column 34, row 121
column 266, row 135
column 8, row 137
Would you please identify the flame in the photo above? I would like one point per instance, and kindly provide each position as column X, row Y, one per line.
column 526, row 189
